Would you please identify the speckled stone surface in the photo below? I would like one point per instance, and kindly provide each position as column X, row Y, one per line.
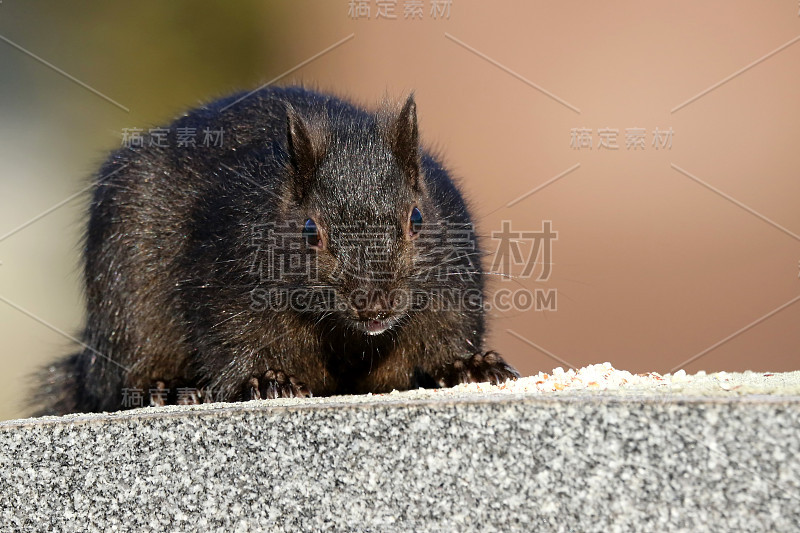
column 415, row 461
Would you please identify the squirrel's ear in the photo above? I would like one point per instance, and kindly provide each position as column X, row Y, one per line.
column 404, row 138
column 307, row 143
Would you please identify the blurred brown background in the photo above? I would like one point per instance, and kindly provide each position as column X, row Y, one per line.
column 664, row 254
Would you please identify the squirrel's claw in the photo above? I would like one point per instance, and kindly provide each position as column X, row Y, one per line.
column 479, row 368
column 276, row 384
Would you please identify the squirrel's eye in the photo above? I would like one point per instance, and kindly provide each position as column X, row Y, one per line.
column 415, row 223
column 311, row 234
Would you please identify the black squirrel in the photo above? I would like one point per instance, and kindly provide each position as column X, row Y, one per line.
column 316, row 250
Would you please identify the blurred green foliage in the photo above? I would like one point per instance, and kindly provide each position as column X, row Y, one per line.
column 154, row 57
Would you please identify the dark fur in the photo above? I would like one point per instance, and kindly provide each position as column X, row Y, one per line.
column 169, row 261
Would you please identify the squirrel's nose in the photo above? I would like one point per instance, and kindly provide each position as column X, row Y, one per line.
column 373, row 315
column 374, row 304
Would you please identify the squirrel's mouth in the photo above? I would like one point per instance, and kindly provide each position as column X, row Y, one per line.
column 375, row 326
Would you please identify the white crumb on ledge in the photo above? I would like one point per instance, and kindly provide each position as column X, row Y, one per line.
column 604, row 377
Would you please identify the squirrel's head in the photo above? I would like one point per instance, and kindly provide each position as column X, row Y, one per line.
column 357, row 191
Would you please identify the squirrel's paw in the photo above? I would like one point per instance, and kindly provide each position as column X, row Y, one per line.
column 162, row 394
column 479, row 368
column 159, row 394
column 276, row 384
